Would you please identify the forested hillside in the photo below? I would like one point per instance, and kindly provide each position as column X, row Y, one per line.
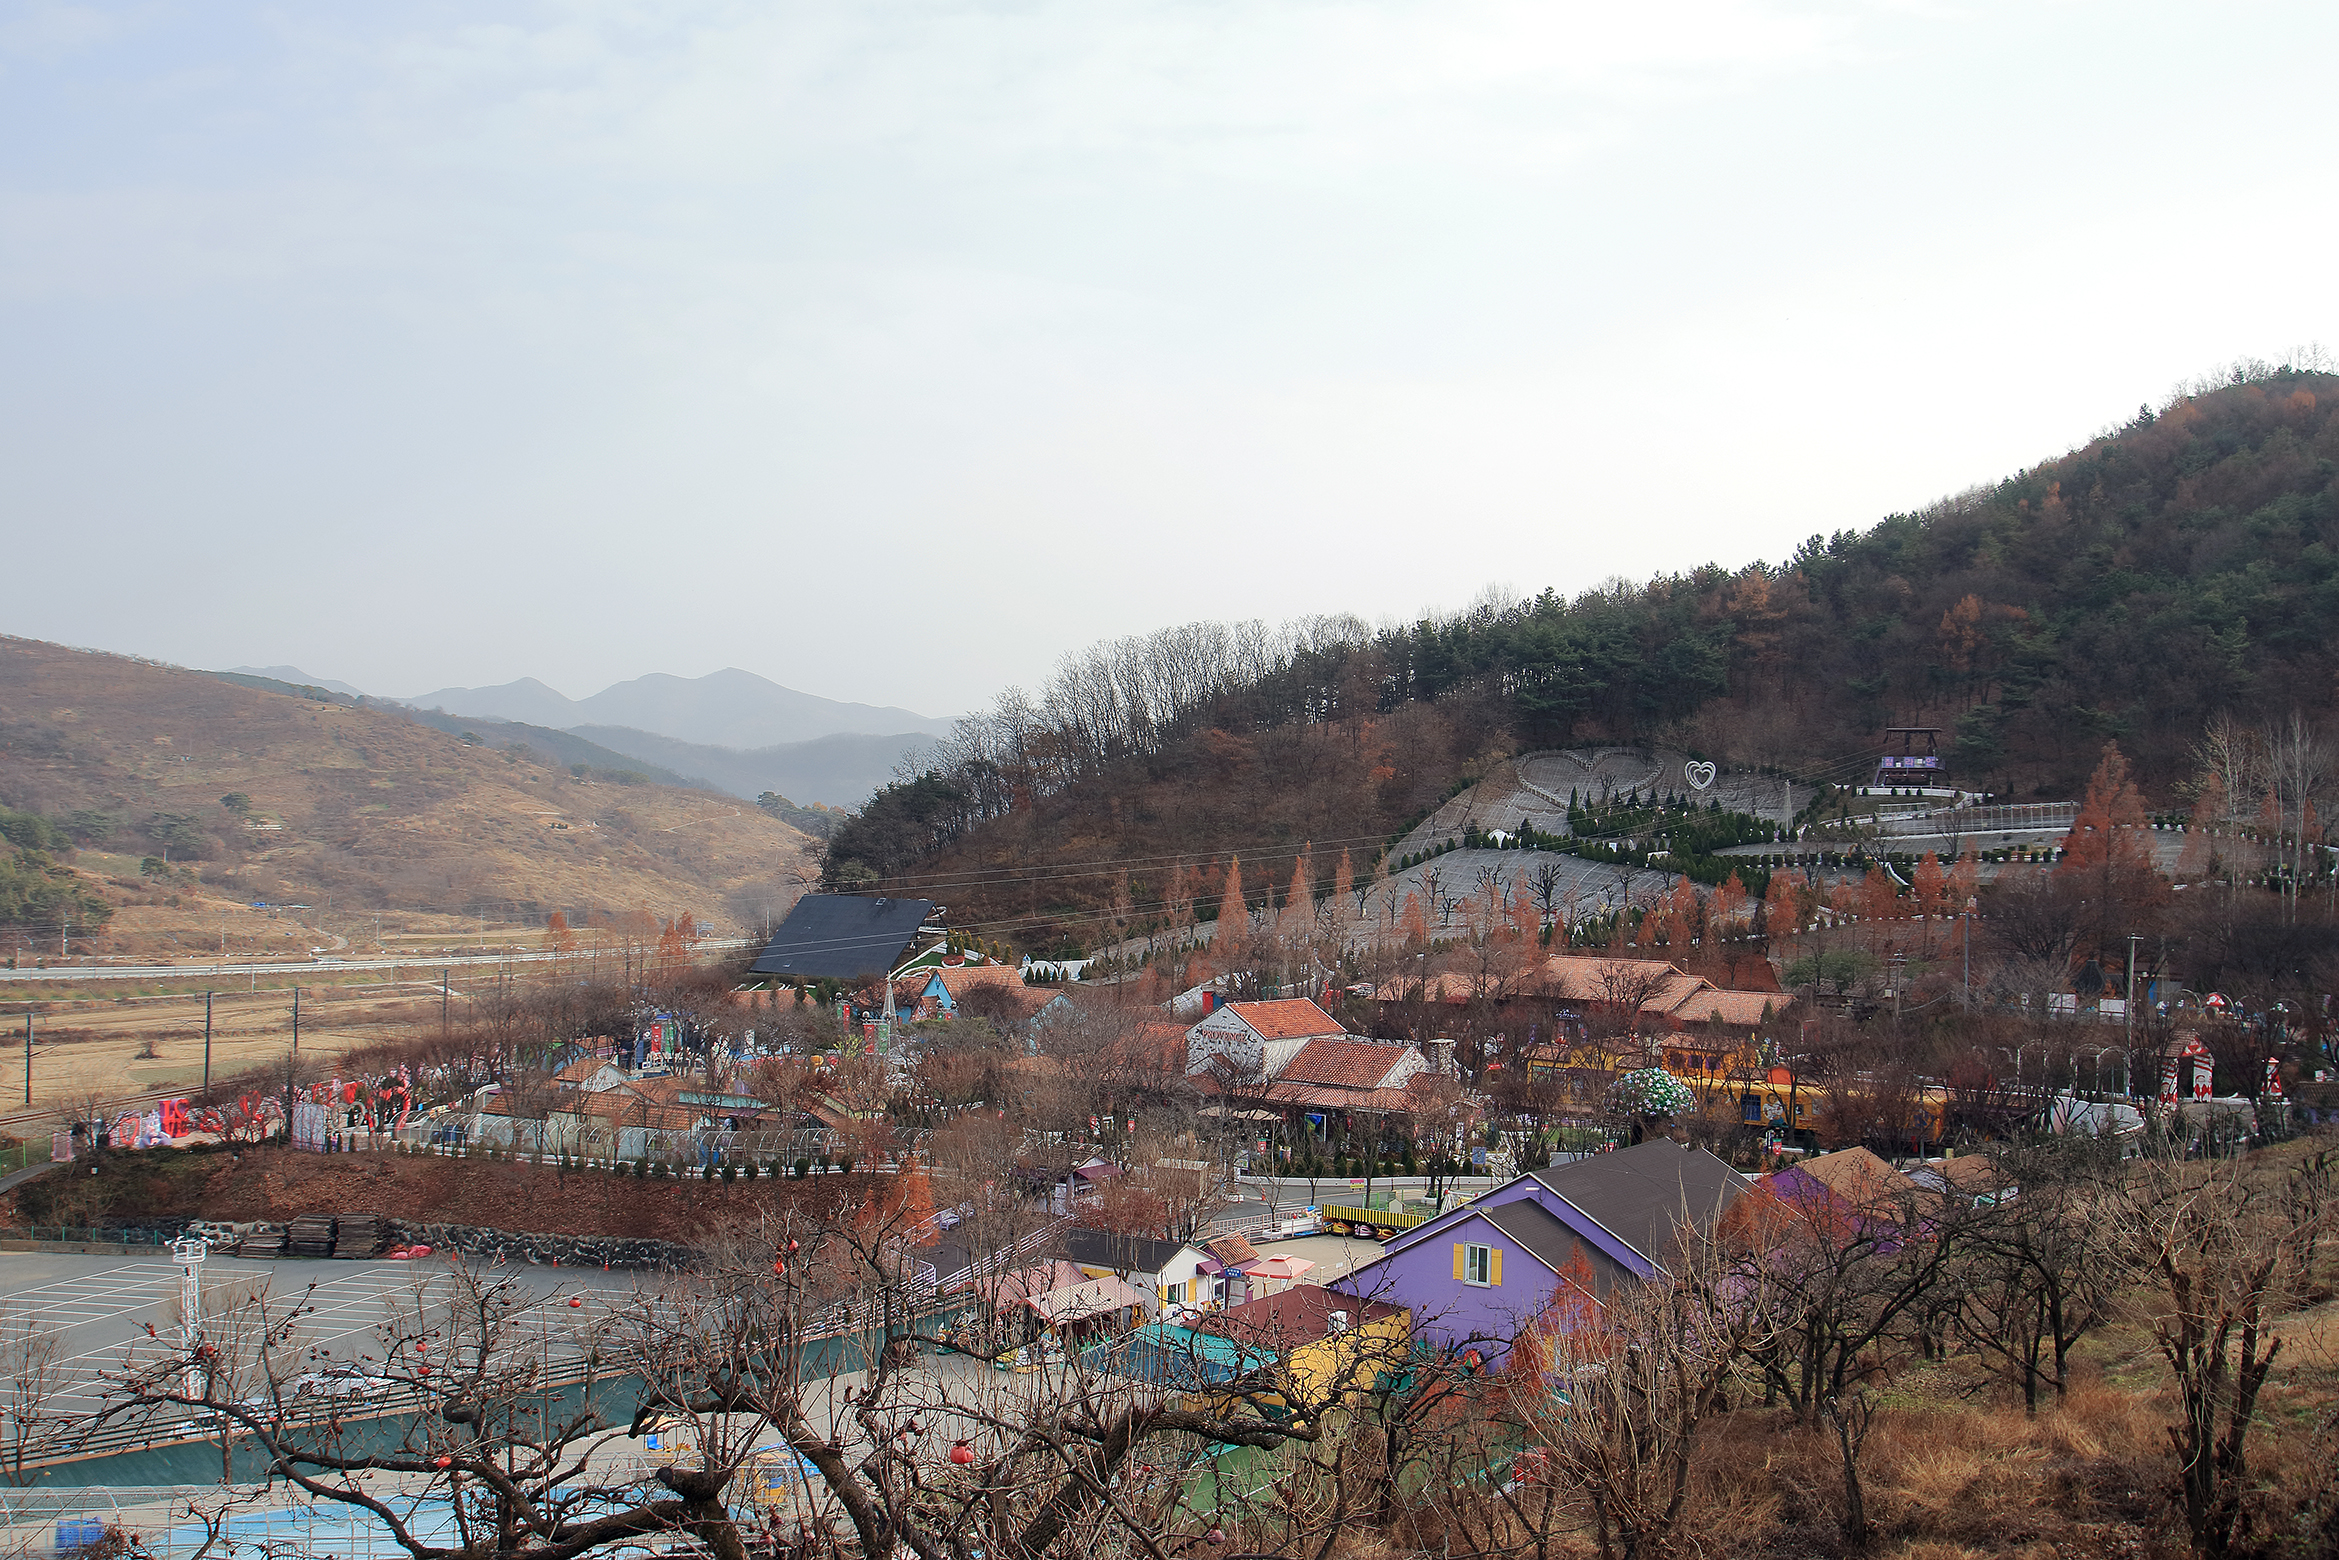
column 2183, row 565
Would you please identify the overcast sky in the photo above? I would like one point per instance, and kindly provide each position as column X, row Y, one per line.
column 888, row 350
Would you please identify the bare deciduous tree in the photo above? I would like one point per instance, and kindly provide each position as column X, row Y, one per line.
column 2223, row 1242
column 32, row 1376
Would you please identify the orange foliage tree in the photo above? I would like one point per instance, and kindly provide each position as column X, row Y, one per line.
column 2107, row 857
column 1879, row 896
column 1232, row 939
column 1729, row 906
column 1783, row 906
column 1929, row 884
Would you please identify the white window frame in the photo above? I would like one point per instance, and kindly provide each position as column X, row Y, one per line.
column 1177, row 1294
column 1478, row 1266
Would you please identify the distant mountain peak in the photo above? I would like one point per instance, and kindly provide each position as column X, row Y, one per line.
column 731, row 708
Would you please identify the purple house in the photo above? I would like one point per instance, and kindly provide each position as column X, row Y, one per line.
column 1479, row 1274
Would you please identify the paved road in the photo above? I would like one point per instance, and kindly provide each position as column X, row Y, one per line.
column 310, row 966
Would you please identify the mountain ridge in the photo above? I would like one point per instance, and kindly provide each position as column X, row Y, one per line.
column 730, row 708
column 841, row 769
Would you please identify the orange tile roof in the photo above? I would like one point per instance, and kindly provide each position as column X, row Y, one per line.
column 962, row 978
column 1449, row 986
column 1344, row 1064
column 624, row 1108
column 1288, row 1018
column 1317, row 1096
column 1860, row 1178
column 1590, row 977
column 1736, row 1008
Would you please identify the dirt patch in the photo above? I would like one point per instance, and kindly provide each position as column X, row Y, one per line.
column 277, row 1184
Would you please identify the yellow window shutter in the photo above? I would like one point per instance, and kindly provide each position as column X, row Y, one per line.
column 1494, row 1266
column 1459, row 1257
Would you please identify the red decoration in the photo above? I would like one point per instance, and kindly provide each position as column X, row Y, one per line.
column 443, row 1462
column 575, row 1302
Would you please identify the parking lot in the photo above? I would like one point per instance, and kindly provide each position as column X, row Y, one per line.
column 100, row 1307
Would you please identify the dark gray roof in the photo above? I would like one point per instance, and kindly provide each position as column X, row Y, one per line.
column 1121, row 1253
column 1641, row 1195
column 1541, row 1234
column 842, row 937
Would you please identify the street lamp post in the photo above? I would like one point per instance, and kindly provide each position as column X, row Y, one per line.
column 189, row 1253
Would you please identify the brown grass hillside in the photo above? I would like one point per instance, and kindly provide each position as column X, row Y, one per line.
column 373, row 811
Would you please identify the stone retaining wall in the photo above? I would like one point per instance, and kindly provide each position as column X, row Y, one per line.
column 602, row 1251
column 586, row 1251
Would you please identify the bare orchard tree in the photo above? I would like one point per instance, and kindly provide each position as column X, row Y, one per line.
column 1547, row 886
column 480, row 1398
column 1847, row 1282
column 1073, row 1458
column 2224, row 1244
column 1630, row 1383
column 32, row 1382
column 2043, row 1263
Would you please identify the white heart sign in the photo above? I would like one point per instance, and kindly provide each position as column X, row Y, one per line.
column 1699, row 775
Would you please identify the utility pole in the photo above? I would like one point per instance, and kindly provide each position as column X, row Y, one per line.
column 207, row 1042
column 28, row 1056
column 443, row 974
column 2128, row 1008
column 1965, row 948
column 292, row 1065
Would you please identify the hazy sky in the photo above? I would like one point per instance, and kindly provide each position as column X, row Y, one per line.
column 890, row 349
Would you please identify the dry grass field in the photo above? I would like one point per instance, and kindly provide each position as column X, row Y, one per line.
column 117, row 1046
